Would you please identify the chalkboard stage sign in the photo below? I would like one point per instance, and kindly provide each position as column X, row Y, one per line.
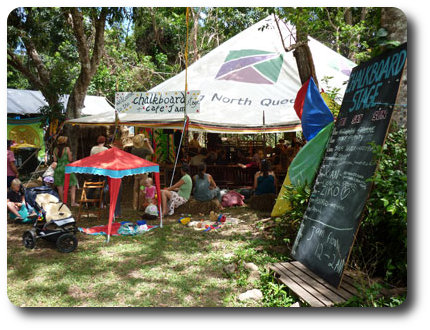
column 331, row 220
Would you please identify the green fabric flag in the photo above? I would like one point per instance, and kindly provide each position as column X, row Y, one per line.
column 305, row 165
column 303, row 168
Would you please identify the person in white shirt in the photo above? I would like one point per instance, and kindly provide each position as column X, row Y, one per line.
column 200, row 158
column 100, row 146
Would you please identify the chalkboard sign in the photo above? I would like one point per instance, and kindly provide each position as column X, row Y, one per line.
column 331, row 220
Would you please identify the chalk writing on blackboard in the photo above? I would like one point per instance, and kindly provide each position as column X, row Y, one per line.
column 331, row 220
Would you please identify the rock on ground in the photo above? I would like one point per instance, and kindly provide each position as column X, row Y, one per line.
column 253, row 294
column 254, row 275
column 250, row 266
column 230, row 268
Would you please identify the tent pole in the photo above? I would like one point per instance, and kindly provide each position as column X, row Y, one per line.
column 185, row 96
column 157, row 184
column 178, row 151
column 264, row 135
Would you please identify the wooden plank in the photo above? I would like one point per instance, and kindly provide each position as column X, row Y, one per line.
column 345, row 293
column 300, row 288
column 349, row 284
column 313, row 289
column 329, row 293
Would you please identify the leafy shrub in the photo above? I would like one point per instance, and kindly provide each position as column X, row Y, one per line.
column 381, row 247
column 287, row 226
column 274, row 293
column 370, row 296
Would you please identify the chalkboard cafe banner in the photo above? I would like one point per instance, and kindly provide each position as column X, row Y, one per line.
column 331, row 220
column 157, row 102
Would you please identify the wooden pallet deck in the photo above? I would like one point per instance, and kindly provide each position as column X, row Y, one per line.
column 311, row 288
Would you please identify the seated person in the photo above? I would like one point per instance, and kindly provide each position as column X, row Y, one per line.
column 16, row 202
column 264, row 180
column 205, row 188
column 222, row 159
column 279, row 148
column 177, row 194
column 255, row 162
column 194, row 144
column 199, row 158
column 211, row 157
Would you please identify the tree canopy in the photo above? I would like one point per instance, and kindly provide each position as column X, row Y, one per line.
column 98, row 51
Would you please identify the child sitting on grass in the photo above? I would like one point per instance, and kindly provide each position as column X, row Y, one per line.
column 16, row 202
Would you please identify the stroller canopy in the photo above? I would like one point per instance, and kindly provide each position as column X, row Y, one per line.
column 115, row 164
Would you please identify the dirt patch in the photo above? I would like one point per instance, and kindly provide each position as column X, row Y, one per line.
column 77, row 293
column 136, row 274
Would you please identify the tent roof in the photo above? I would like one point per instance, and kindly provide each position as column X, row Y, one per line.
column 26, row 102
column 114, row 163
column 248, row 84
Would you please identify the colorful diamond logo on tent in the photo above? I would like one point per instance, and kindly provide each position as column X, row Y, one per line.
column 251, row 66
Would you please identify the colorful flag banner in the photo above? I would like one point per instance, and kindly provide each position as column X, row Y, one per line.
column 312, row 110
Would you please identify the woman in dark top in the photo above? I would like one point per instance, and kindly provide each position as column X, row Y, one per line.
column 265, row 179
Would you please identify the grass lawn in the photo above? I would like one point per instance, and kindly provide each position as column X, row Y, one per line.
column 166, row 267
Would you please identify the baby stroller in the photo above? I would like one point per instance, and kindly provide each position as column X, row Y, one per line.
column 54, row 222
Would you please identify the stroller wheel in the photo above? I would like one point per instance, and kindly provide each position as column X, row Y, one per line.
column 67, row 243
column 29, row 239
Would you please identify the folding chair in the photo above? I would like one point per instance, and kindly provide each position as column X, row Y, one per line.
column 95, row 198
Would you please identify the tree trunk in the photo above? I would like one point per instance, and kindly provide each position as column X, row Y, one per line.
column 304, row 60
column 89, row 64
column 396, row 24
column 194, row 33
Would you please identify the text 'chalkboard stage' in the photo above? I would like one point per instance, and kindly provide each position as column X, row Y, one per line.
column 331, row 220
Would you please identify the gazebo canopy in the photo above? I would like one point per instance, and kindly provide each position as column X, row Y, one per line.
column 115, row 164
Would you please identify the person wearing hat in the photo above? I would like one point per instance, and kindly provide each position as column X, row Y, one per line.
column 141, row 148
column 12, row 171
column 62, row 156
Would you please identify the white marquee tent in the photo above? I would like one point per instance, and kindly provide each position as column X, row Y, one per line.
column 247, row 85
column 27, row 102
